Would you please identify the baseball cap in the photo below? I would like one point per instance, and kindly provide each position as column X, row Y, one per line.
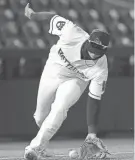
column 98, row 41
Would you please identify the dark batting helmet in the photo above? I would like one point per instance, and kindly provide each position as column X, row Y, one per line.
column 98, row 42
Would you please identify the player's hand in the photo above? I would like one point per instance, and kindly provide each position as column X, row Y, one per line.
column 28, row 11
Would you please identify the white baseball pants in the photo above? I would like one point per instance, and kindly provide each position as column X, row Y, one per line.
column 56, row 95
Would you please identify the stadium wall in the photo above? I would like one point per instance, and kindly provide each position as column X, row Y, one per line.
column 18, row 102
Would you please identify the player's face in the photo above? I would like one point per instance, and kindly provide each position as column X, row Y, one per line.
column 92, row 55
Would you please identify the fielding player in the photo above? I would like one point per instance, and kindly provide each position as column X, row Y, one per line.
column 77, row 60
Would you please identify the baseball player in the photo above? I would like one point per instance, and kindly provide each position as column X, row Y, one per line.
column 76, row 61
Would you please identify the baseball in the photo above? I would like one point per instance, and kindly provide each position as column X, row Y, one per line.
column 30, row 154
column 73, row 154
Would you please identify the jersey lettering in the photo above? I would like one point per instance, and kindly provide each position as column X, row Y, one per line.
column 70, row 66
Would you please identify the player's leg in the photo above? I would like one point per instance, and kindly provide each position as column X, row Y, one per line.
column 67, row 95
column 48, row 85
column 45, row 97
column 46, row 94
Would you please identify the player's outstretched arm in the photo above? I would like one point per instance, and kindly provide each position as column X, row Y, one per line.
column 29, row 12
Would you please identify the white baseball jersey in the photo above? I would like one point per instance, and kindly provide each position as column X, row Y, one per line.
column 67, row 53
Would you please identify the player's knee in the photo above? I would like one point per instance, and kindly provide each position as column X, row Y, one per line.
column 59, row 110
column 38, row 120
column 64, row 112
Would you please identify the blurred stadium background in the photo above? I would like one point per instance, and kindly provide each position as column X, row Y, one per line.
column 24, row 48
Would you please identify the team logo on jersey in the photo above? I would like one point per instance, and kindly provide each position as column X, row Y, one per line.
column 60, row 25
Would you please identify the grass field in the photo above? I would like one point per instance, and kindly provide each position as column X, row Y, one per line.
column 15, row 150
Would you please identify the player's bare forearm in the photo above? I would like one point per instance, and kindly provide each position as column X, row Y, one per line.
column 39, row 16
column 31, row 14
